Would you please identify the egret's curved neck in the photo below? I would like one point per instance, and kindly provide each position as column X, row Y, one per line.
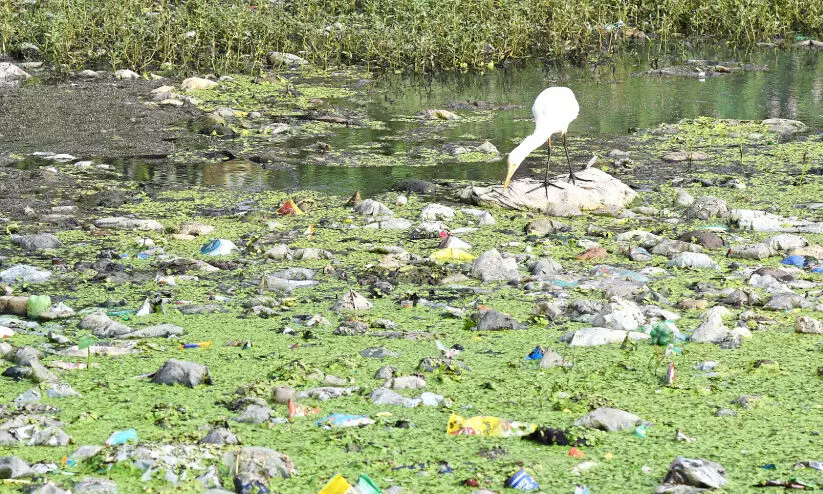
column 529, row 144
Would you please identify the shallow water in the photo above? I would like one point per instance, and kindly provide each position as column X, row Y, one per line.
column 614, row 100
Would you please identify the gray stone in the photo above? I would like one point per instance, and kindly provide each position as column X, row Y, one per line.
column 415, row 186
column 491, row 266
column 126, row 75
column 492, row 320
column 104, row 327
column 405, row 382
column 60, row 390
column 24, row 274
column 10, row 73
column 283, row 394
column 546, row 226
column 7, row 440
column 784, row 126
column 553, row 359
column 40, row 241
column 352, row 301
column 600, row 336
column 370, row 207
column 695, row 260
column 95, row 485
column 378, row 353
column 670, row 248
column 704, row 238
column 262, row 463
column 683, row 198
column 158, row 331
column 808, row 325
column 600, row 189
column 12, row 467
column 712, row 329
column 696, row 472
column 84, row 452
column 32, row 395
column 436, row 212
column 786, row 301
column 287, row 59
column 49, row 488
column 128, row 224
column 750, row 251
column 188, row 374
column 384, row 396
column 546, row 268
column 254, row 414
column 609, row 419
column 620, row 314
column 50, row 436
column 706, row 207
column 326, row 393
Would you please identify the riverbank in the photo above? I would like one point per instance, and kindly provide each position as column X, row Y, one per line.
column 236, row 36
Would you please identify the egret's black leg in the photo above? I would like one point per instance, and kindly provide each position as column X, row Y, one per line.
column 547, row 182
column 572, row 176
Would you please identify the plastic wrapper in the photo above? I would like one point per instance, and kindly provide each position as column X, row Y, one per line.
column 488, row 426
column 340, row 420
column 298, row 410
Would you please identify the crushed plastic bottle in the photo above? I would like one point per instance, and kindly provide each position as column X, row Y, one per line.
column 121, row 437
column 219, row 247
column 522, row 481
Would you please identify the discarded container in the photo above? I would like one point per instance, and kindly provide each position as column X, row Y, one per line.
column 289, row 208
column 581, row 489
column 337, row 485
column 640, row 431
column 576, row 453
column 670, row 374
column 522, row 481
column 121, row 437
column 37, row 305
column 535, row 354
column 662, row 333
column 201, row 344
column 219, row 247
column 487, row 426
column 250, row 486
column 340, row 420
column 32, row 306
column 298, row 410
column 365, row 485
column 795, row 260
column 451, row 254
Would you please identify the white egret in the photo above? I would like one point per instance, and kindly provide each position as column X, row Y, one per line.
column 554, row 109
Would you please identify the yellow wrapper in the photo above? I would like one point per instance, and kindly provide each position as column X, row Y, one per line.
column 488, row 426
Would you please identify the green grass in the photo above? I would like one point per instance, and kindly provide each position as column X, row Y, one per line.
column 235, row 35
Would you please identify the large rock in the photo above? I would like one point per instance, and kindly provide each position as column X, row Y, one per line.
column 104, row 327
column 784, row 126
column 261, row 463
column 158, row 331
column 370, row 207
column 600, row 336
column 10, row 73
column 491, row 266
column 492, row 320
column 762, row 221
column 609, row 419
column 808, row 325
column 24, row 273
column 95, row 485
column 352, row 300
column 601, row 190
column 189, row 374
column 696, row 472
column 196, row 83
column 620, row 314
column 40, row 241
column 128, row 223
column 287, row 59
column 712, row 330
column 706, row 207
column 12, row 467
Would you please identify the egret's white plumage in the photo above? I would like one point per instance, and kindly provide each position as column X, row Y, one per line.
column 554, row 109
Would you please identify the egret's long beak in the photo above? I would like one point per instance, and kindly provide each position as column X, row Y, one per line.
column 512, row 169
